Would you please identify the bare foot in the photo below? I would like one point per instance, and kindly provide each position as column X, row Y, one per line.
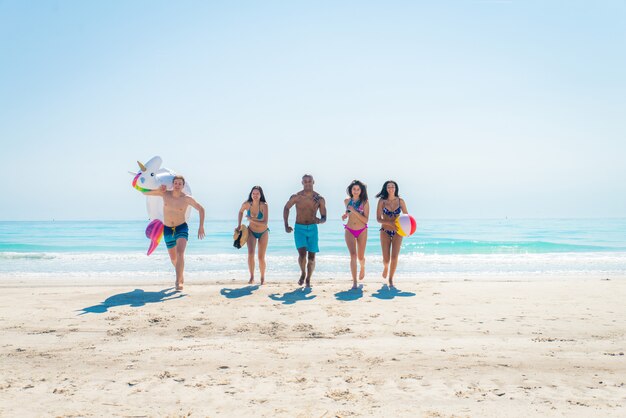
column 385, row 269
column 179, row 286
column 308, row 283
column 354, row 286
column 362, row 272
column 251, row 280
column 262, row 281
column 301, row 281
column 391, row 286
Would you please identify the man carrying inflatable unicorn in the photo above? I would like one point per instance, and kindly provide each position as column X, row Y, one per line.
column 176, row 230
column 176, row 203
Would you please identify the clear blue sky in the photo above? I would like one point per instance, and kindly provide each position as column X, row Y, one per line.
column 476, row 108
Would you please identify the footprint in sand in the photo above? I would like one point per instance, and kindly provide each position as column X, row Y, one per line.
column 165, row 375
column 335, row 312
column 45, row 331
column 346, row 414
column 155, row 320
column 340, row 395
column 302, row 327
column 316, row 334
column 272, row 329
column 412, row 376
column 246, row 327
column 341, row 331
column 189, row 331
column 119, row 332
column 550, row 340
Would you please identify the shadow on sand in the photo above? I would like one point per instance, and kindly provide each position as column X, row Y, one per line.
column 351, row 294
column 239, row 292
column 386, row 292
column 134, row 299
column 290, row 298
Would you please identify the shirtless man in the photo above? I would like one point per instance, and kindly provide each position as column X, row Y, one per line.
column 307, row 204
column 176, row 230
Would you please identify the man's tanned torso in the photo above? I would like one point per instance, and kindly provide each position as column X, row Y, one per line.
column 174, row 208
column 307, row 205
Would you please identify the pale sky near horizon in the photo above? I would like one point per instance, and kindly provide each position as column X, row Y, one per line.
column 478, row 109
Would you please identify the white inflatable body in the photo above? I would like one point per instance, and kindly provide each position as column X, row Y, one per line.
column 150, row 177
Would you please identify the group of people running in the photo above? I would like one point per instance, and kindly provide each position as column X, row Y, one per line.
column 308, row 204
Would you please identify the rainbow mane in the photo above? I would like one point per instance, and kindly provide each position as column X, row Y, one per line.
column 141, row 189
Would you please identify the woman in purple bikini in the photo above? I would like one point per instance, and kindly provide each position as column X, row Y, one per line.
column 390, row 205
column 357, row 213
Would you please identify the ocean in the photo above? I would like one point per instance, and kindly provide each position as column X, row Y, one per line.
column 454, row 249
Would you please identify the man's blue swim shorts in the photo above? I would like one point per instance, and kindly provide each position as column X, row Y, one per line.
column 172, row 233
column 306, row 237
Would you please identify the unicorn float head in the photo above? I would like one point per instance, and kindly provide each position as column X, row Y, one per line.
column 150, row 177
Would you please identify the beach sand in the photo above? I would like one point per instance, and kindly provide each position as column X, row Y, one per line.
column 434, row 349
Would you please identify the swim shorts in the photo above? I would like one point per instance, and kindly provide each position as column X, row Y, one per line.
column 172, row 233
column 306, row 237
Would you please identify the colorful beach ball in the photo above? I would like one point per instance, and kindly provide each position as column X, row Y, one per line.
column 406, row 225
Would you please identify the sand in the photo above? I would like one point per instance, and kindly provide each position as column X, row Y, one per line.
column 434, row 349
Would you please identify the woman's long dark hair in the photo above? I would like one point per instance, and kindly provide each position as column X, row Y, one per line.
column 260, row 189
column 384, row 194
column 363, row 187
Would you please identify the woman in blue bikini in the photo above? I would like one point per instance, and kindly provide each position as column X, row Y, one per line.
column 357, row 213
column 390, row 205
column 257, row 213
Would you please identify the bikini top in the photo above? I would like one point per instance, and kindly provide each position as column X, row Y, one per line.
column 392, row 213
column 358, row 206
column 259, row 215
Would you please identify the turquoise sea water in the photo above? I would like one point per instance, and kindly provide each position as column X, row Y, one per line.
column 440, row 248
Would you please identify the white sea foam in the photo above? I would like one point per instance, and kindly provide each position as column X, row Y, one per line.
column 25, row 256
column 224, row 266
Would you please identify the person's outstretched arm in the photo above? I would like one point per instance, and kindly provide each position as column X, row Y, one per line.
column 156, row 192
column 379, row 216
column 322, row 211
column 403, row 206
column 288, row 205
column 200, row 209
column 243, row 208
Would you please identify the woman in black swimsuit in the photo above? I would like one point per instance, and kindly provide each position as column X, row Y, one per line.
column 390, row 205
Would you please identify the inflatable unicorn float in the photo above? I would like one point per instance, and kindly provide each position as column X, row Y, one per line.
column 150, row 177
